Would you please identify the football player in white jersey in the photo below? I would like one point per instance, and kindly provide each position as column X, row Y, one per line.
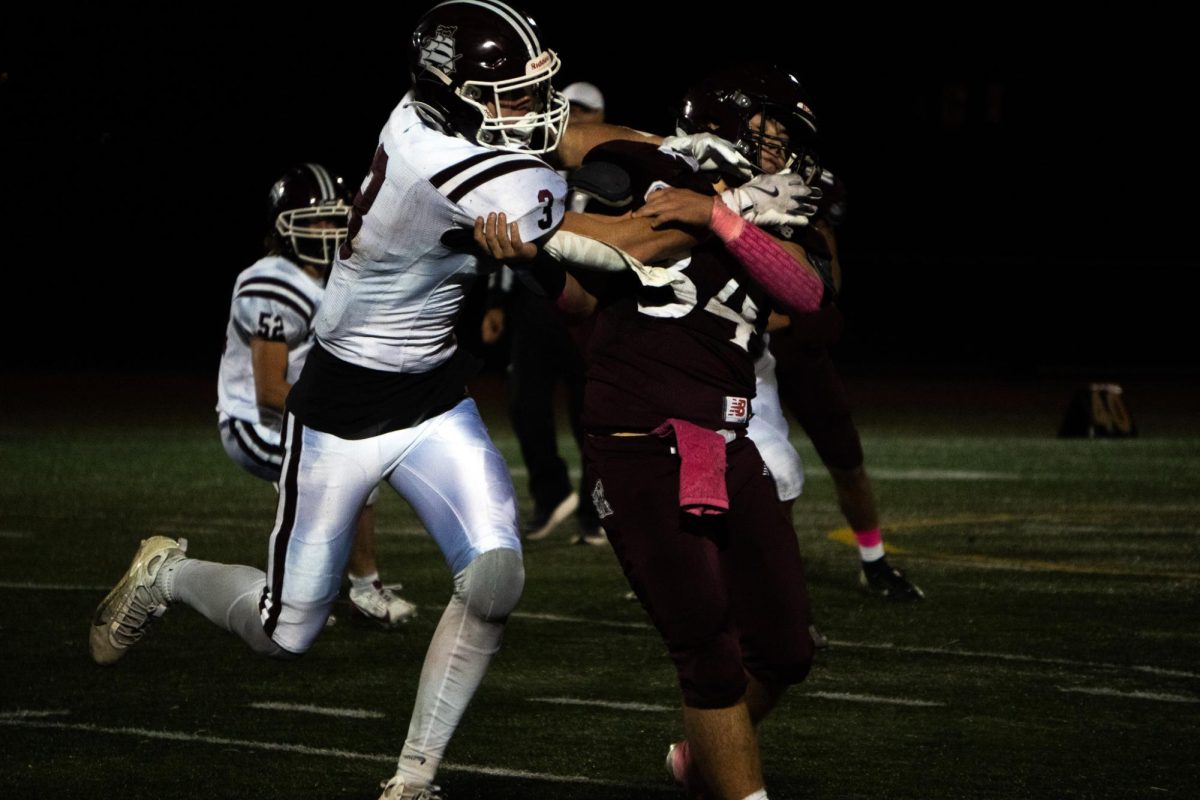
column 381, row 395
column 269, row 334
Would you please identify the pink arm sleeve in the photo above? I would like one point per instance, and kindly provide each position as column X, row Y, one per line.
column 787, row 281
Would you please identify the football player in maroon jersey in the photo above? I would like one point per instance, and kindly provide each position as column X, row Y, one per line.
column 686, row 499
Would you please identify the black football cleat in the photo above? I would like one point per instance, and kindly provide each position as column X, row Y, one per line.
column 883, row 580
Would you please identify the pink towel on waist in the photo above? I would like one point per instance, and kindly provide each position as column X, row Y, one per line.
column 701, row 467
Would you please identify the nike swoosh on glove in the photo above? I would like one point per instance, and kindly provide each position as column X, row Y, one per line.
column 779, row 199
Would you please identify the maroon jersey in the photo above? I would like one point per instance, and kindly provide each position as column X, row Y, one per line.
column 684, row 350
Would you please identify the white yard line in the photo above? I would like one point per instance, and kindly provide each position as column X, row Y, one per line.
column 25, row 714
column 54, row 587
column 872, row 698
column 880, row 473
column 1105, row 692
column 352, row 713
column 574, row 701
column 601, row 623
column 853, row 698
column 1017, row 657
column 883, row 474
column 305, row 750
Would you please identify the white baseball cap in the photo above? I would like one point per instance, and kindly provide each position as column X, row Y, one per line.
column 584, row 94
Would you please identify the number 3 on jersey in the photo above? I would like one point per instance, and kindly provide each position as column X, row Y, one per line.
column 364, row 200
column 546, row 196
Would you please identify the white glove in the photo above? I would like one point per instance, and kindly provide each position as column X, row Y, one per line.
column 711, row 152
column 779, row 199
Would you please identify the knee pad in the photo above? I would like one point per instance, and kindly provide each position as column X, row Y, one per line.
column 710, row 672
column 782, row 674
column 491, row 584
column 279, row 654
column 786, row 661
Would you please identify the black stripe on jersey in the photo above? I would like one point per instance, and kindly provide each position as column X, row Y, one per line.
column 462, row 166
column 268, row 282
column 252, row 444
column 283, row 532
column 248, row 451
column 287, row 301
column 488, row 174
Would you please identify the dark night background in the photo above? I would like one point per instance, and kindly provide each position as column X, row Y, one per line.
column 1022, row 192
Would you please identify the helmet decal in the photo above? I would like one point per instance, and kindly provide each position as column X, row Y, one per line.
column 438, row 50
column 480, row 72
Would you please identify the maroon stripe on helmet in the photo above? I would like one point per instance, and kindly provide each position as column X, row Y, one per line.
column 324, row 181
column 510, row 15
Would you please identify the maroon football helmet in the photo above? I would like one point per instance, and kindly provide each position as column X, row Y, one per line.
column 726, row 103
column 299, row 201
column 467, row 55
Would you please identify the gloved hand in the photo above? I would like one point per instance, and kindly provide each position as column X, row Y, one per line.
column 779, row 199
column 711, row 152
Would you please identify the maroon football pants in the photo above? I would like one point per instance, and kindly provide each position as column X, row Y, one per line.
column 726, row 592
column 812, row 390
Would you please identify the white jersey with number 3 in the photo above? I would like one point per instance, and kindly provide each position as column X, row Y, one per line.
column 392, row 301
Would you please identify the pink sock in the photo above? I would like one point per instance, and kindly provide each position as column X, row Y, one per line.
column 870, row 544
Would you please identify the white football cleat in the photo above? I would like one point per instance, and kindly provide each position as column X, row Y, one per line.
column 542, row 526
column 379, row 603
column 593, row 536
column 137, row 600
column 395, row 789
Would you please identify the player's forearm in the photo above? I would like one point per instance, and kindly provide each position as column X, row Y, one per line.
column 634, row 236
column 272, row 397
column 577, row 140
column 786, row 277
column 269, row 362
column 574, row 302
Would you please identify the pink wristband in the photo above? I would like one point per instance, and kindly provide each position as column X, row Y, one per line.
column 725, row 222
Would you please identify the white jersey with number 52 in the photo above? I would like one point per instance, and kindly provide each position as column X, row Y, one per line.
column 275, row 300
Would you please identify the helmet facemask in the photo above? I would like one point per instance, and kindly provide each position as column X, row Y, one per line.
column 781, row 134
column 529, row 117
column 310, row 240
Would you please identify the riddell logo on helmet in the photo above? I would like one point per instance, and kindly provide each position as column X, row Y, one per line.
column 537, row 64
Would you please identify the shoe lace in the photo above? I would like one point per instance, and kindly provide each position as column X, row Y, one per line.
column 394, row 790
column 131, row 621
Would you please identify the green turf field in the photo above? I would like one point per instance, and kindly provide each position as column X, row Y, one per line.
column 1056, row 655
